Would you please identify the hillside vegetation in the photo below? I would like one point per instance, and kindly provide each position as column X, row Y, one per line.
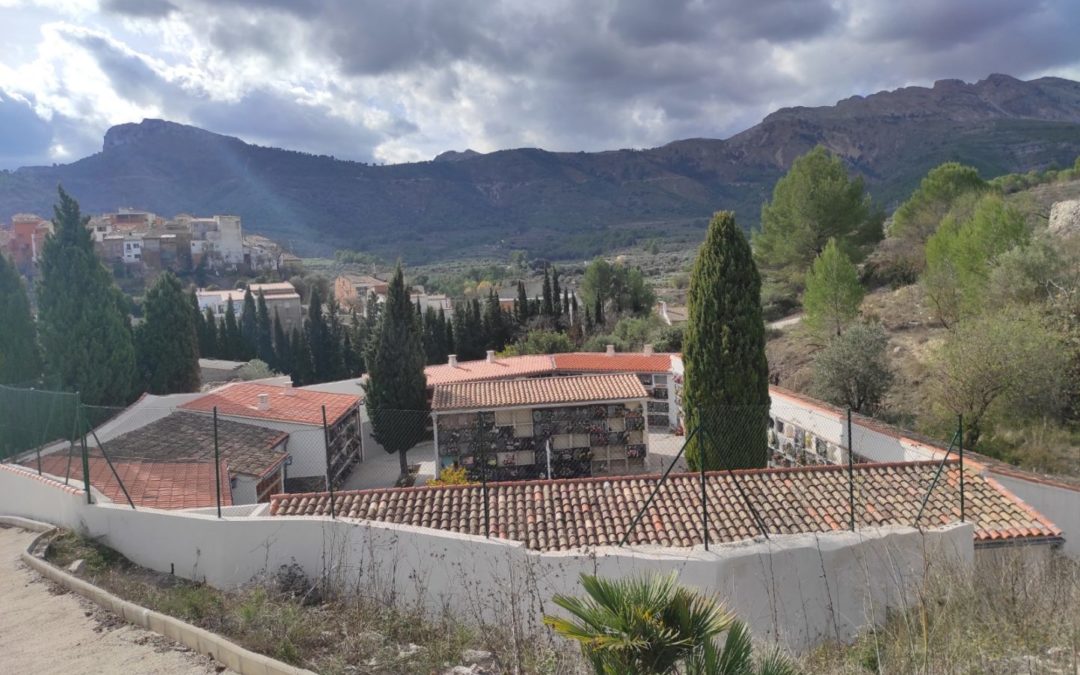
column 561, row 205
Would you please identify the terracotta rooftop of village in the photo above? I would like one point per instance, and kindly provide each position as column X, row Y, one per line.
column 565, row 514
column 547, row 364
column 248, row 449
column 536, row 391
column 286, row 404
column 155, row 485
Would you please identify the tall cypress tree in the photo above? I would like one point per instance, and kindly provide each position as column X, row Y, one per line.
column 556, row 292
column 522, row 303
column 209, row 347
column 433, row 334
column 397, row 387
column 547, row 304
column 233, row 345
column 20, row 360
column 282, row 348
column 300, row 352
column 249, row 324
column 82, row 315
column 166, row 343
column 451, row 339
column 264, row 333
column 598, row 311
column 325, row 354
column 727, row 377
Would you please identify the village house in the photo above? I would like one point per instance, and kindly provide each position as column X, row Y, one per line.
column 26, row 241
column 281, row 299
column 316, row 454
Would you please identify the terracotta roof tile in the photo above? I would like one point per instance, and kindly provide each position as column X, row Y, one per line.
column 500, row 368
column 188, row 436
column 565, row 514
column 593, row 362
column 158, row 485
column 536, row 391
column 287, row 404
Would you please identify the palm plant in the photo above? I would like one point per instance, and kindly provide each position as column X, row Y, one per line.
column 651, row 625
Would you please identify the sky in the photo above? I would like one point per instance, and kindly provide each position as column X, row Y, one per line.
column 394, row 81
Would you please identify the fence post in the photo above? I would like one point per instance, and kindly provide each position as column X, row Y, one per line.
column 217, row 464
column 960, row 448
column 329, row 478
column 850, row 471
column 704, row 494
column 82, row 444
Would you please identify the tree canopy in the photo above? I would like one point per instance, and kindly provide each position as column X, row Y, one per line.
column 82, row 316
column 853, row 369
column 727, row 377
column 20, row 359
column 918, row 217
column 814, row 202
column 166, row 341
column 833, row 292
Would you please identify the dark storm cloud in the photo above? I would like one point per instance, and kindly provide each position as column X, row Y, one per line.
column 27, row 137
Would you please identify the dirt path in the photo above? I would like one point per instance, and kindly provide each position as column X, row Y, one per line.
column 47, row 630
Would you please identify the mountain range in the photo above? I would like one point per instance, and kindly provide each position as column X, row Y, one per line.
column 558, row 204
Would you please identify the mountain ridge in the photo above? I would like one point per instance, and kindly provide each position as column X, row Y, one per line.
column 559, row 204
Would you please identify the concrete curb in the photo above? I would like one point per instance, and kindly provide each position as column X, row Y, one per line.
column 227, row 653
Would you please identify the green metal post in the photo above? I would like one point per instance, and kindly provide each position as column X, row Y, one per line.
column 329, row 477
column 217, row 465
column 960, row 448
column 851, row 470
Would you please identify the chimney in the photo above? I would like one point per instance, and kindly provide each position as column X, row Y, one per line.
column 452, row 360
column 611, row 350
column 648, row 350
column 491, row 356
column 288, row 389
column 264, row 402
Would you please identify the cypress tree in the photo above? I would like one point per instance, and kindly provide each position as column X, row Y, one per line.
column 232, row 341
column 166, row 342
column 20, row 360
column 451, row 341
column 547, row 305
column 556, row 292
column 82, row 315
column 397, row 387
column 336, row 367
column 210, row 348
column 264, row 335
column 522, row 303
column 574, row 308
column 282, row 348
column 249, row 324
column 494, row 323
column 433, row 334
column 727, row 377
column 325, row 355
column 598, row 311
column 300, row 351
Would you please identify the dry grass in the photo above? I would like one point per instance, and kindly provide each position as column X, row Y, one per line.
column 286, row 618
column 1017, row 612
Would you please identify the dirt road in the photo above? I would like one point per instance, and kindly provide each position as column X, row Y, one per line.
column 46, row 630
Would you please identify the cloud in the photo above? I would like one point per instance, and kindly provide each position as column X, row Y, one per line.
column 405, row 80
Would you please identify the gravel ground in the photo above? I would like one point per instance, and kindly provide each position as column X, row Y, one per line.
column 45, row 629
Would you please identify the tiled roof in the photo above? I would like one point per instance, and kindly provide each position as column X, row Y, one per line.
column 625, row 362
column 302, row 406
column 183, row 436
column 157, row 485
column 536, row 391
column 566, row 514
column 500, row 368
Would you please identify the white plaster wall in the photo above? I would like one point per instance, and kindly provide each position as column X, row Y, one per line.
column 798, row 590
column 243, row 491
column 1059, row 504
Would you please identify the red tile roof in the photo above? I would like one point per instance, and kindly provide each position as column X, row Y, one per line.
column 536, row 391
column 500, row 368
column 157, row 485
column 566, row 514
column 627, row 362
column 287, row 404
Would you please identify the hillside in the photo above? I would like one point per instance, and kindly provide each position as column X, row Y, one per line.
column 561, row 204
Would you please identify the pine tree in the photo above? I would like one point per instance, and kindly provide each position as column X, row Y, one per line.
column 20, row 360
column 210, row 347
column 300, row 352
column 264, row 334
column 233, row 345
column 397, row 387
column 82, row 316
column 547, row 305
column 166, row 342
column 282, row 348
column 727, row 377
column 249, row 325
column 833, row 292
